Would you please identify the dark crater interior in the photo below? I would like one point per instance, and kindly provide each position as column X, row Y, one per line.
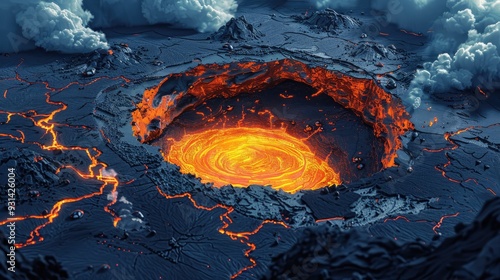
column 291, row 105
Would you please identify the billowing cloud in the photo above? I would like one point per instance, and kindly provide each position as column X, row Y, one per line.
column 335, row 4
column 467, row 43
column 59, row 29
column 203, row 15
column 66, row 25
column 465, row 40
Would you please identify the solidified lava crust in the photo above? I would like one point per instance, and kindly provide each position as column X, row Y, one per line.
column 326, row 253
column 178, row 93
column 108, row 207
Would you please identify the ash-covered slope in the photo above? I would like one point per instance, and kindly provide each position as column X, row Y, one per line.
column 237, row 29
column 323, row 253
column 328, row 20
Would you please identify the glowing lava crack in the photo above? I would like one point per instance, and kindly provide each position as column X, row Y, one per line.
column 246, row 156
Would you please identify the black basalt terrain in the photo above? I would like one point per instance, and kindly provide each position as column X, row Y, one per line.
column 41, row 267
column 326, row 253
column 328, row 20
column 237, row 29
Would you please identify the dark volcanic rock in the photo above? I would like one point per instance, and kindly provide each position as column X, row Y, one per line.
column 323, row 253
column 329, row 205
column 37, row 170
column 119, row 55
column 328, row 20
column 42, row 267
column 391, row 84
column 372, row 51
column 237, row 29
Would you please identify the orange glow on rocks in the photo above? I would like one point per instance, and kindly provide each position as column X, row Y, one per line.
column 94, row 171
column 180, row 92
column 245, row 156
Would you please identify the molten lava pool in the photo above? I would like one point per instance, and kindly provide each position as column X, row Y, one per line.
column 279, row 123
column 251, row 156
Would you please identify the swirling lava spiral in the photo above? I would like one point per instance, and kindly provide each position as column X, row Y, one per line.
column 246, row 156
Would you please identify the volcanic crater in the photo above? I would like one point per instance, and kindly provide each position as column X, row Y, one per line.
column 280, row 123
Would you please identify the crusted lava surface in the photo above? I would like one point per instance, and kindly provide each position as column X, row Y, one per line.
column 179, row 92
column 107, row 206
column 323, row 253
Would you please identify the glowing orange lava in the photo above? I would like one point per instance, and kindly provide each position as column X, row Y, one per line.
column 364, row 97
column 245, row 156
column 95, row 169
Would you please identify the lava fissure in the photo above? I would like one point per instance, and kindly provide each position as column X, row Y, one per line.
column 441, row 168
column 226, row 220
column 45, row 122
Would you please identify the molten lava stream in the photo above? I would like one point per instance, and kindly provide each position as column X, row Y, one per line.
column 45, row 122
column 246, row 156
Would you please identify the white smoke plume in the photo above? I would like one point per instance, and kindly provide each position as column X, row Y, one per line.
column 108, row 172
column 203, row 15
column 66, row 25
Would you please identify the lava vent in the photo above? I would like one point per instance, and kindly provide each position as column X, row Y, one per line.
column 279, row 123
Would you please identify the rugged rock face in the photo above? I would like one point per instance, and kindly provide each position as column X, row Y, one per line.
column 328, row 20
column 117, row 56
column 179, row 92
column 42, row 267
column 323, row 253
column 237, row 29
column 371, row 51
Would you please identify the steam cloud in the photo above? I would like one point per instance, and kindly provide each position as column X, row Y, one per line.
column 60, row 29
column 108, row 172
column 66, row 25
column 465, row 41
column 468, row 42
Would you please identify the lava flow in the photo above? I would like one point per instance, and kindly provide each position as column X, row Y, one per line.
column 245, row 156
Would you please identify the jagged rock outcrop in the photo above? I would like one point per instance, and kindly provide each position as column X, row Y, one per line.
column 372, row 51
column 237, row 29
column 42, row 267
column 328, row 20
column 326, row 253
